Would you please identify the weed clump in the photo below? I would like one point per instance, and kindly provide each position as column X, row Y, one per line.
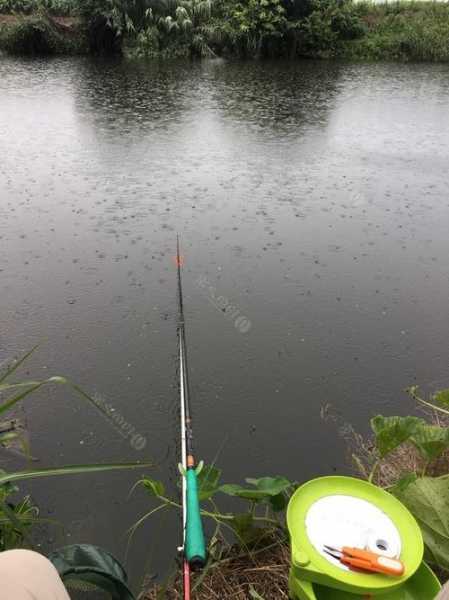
column 39, row 35
column 258, row 574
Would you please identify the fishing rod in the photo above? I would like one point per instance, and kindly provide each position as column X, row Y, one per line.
column 193, row 544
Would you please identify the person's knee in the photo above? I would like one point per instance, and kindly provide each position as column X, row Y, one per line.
column 25, row 560
column 26, row 574
column 444, row 593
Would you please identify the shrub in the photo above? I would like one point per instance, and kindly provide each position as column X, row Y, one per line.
column 329, row 22
column 34, row 36
column 251, row 26
column 409, row 456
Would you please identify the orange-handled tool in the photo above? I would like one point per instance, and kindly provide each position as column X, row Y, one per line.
column 366, row 560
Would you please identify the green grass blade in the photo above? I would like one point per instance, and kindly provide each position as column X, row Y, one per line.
column 10, row 403
column 84, row 394
column 16, row 365
column 254, row 594
column 12, row 386
column 69, row 470
column 16, row 523
column 7, row 437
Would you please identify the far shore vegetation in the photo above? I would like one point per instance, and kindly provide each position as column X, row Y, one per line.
column 320, row 29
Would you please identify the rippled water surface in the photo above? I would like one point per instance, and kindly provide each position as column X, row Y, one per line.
column 312, row 197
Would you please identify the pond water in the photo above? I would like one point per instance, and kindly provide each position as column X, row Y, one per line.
column 311, row 196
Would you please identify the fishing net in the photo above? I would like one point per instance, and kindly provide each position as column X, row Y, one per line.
column 91, row 573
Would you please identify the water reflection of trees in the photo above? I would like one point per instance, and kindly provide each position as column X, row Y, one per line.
column 137, row 104
column 281, row 95
column 130, row 97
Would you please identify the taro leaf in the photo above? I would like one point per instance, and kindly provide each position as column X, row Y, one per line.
column 264, row 488
column 430, row 440
column 402, row 484
column 153, row 486
column 391, row 432
column 427, row 498
column 237, row 490
column 208, row 482
column 279, row 502
column 245, row 529
column 271, row 485
column 442, row 398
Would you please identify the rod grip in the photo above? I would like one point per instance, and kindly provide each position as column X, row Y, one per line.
column 195, row 546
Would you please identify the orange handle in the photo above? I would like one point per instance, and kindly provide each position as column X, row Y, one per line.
column 369, row 561
column 389, row 566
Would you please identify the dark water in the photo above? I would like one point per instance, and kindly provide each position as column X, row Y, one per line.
column 311, row 196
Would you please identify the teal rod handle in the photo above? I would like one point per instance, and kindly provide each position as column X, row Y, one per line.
column 195, row 546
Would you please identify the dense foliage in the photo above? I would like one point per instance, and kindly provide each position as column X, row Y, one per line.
column 411, row 459
column 416, row 31
column 237, row 27
column 208, row 27
column 40, row 35
column 56, row 7
column 401, row 30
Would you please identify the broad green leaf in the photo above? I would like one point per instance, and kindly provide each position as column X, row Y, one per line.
column 427, row 498
column 68, row 470
column 232, row 489
column 430, row 440
column 402, row 484
column 208, row 482
column 153, row 486
column 264, row 488
column 279, row 502
column 272, row 486
column 245, row 528
column 442, row 398
column 391, row 432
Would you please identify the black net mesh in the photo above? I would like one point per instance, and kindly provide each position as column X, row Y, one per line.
column 80, row 590
column 91, row 573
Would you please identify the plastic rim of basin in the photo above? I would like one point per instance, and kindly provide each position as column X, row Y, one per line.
column 423, row 585
column 312, row 565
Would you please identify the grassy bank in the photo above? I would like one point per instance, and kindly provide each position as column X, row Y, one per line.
column 248, row 549
column 262, row 574
column 42, row 34
column 408, row 456
column 335, row 29
column 414, row 31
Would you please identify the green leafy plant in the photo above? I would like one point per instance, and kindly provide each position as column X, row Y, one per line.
column 17, row 516
column 250, row 26
column 411, row 459
column 256, row 521
column 57, row 7
column 170, row 28
column 430, row 440
column 428, row 499
column 329, row 22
